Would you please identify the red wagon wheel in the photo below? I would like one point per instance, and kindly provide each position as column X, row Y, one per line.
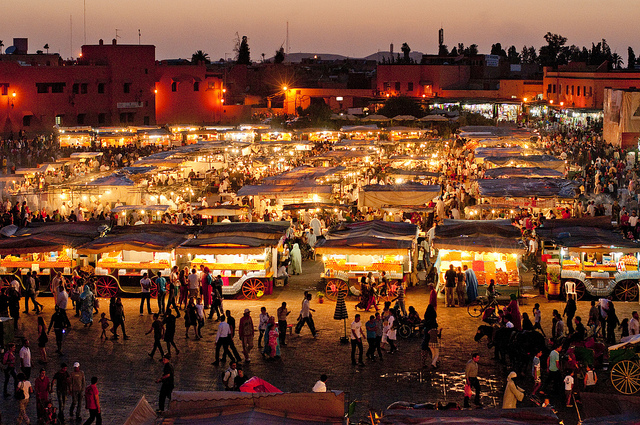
column 626, row 290
column 154, row 288
column 252, row 289
column 392, row 291
column 334, row 287
column 106, row 286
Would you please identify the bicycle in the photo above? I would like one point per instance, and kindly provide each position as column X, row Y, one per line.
column 480, row 304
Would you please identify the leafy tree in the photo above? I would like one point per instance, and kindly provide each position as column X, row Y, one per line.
column 616, row 61
column 318, row 113
column 243, row 56
column 550, row 54
column 46, row 47
column 496, row 49
column 200, row 57
column 631, row 57
column 401, row 105
column 473, row 50
column 461, row 48
column 442, row 50
column 529, row 54
column 405, row 51
column 454, row 52
column 279, row 57
column 512, row 55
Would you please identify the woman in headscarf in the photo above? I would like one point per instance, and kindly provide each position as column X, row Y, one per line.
column 514, row 310
column 296, row 259
column 271, row 341
column 512, row 393
column 86, row 306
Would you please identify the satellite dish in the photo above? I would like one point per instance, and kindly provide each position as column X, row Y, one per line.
column 10, row 50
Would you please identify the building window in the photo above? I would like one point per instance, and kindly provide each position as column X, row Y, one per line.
column 81, row 119
column 196, row 86
column 578, row 93
column 397, row 85
column 84, row 87
column 590, row 91
column 57, row 87
column 146, row 70
column 146, row 120
column 386, row 86
column 75, row 89
column 127, row 87
column 102, row 118
column 174, row 86
column 4, row 89
column 126, row 117
column 42, row 88
column 101, row 88
column 409, row 86
column 554, row 88
column 584, row 91
column 59, row 119
column 26, row 121
column 560, row 88
column 567, row 90
column 548, row 88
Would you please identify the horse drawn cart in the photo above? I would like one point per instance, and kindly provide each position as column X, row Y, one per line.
column 624, row 362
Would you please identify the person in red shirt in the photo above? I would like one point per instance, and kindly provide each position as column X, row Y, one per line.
column 92, row 399
column 42, row 393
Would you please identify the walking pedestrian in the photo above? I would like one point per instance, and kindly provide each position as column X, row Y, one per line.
column 60, row 323
column 42, row 338
column 246, row 333
column 262, row 324
column 92, row 402
column 356, row 340
column 536, row 373
column 471, row 377
column 512, row 393
column 568, row 386
column 172, row 291
column 61, row 381
column 77, row 384
column 169, row 322
column 9, row 363
column 158, row 332
column 23, row 394
column 167, row 381
column 283, row 314
column 379, row 334
column 145, row 294
column 370, row 328
column 191, row 318
column 161, row 284
column 612, row 323
column 232, row 327
column 222, row 341
column 553, row 368
column 461, row 287
column 569, row 312
column 306, row 317
column 25, row 358
column 200, row 316
column 194, row 283
column 229, row 378
column 118, row 318
column 400, row 299
column 450, row 285
column 41, row 388
column 537, row 318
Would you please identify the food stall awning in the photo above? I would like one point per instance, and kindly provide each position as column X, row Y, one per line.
column 226, row 245
column 149, row 242
column 283, row 190
column 302, row 173
column 528, row 188
column 546, row 161
column 376, row 196
column 138, row 170
column 480, row 243
column 159, row 162
column 261, row 230
column 343, row 154
column 85, row 155
column 397, row 172
column 161, row 208
column 524, row 172
column 314, row 206
column 42, row 169
column 46, row 237
column 222, row 210
column 115, row 179
column 587, row 239
column 481, row 153
column 155, row 228
column 363, row 245
column 407, row 208
column 31, row 244
column 377, row 229
column 490, row 228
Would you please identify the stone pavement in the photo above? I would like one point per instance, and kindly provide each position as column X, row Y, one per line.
column 126, row 373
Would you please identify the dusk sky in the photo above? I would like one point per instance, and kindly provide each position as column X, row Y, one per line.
column 353, row 28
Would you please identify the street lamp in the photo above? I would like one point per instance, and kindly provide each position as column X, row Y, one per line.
column 13, row 96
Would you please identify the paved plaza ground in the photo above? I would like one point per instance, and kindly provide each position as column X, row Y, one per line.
column 126, row 372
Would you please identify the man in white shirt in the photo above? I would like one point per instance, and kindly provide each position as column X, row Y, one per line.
column 634, row 324
column 223, row 338
column 145, row 294
column 356, row 340
column 316, row 226
column 321, row 385
column 305, row 317
column 194, row 283
column 25, row 358
column 62, row 297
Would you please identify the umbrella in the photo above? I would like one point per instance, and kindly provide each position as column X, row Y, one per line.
column 404, row 118
column 257, row 385
column 433, row 118
column 375, row 118
column 342, row 314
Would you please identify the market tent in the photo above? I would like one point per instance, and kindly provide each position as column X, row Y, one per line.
column 146, row 242
column 222, row 210
column 525, row 172
column 315, row 206
column 260, row 230
column 293, row 190
column 299, row 174
column 587, row 239
column 356, row 128
column 155, row 228
column 47, row 237
column 397, row 172
column 374, row 228
column 226, row 244
column 374, row 118
column 528, row 188
column 85, row 155
column 343, row 155
column 434, row 118
column 162, row 208
column 376, row 196
column 546, row 161
column 481, row 153
column 480, row 243
column 115, row 179
column 404, row 118
column 363, row 244
column 494, row 228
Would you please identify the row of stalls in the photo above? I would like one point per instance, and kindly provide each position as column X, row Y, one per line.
column 244, row 254
column 84, row 137
column 352, row 250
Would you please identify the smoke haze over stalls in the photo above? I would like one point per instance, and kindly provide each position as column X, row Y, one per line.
column 354, row 28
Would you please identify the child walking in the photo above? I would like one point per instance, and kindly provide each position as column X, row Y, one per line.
column 537, row 317
column 104, row 324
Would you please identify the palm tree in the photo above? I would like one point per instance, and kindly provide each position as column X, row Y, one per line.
column 200, row 57
column 46, row 47
column 616, row 61
column 1, row 46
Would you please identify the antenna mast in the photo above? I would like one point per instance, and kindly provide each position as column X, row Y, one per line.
column 84, row 20
column 287, row 48
column 70, row 36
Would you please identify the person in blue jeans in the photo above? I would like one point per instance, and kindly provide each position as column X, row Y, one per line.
column 145, row 284
column 161, row 282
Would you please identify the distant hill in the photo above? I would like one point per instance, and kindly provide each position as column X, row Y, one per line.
column 299, row 57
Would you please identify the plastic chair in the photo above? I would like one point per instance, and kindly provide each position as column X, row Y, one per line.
column 570, row 289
